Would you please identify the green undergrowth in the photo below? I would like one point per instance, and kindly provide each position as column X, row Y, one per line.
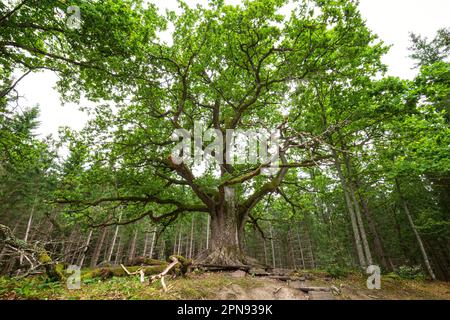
column 199, row 285
column 192, row 287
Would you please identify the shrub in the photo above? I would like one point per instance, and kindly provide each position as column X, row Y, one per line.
column 410, row 272
column 335, row 271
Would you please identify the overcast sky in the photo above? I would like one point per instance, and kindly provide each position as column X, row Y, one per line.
column 392, row 20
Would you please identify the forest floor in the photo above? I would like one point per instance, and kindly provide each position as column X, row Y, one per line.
column 226, row 286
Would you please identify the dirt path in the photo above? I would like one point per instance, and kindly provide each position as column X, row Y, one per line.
column 318, row 287
column 272, row 289
column 265, row 289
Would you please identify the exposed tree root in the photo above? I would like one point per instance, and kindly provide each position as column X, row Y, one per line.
column 226, row 259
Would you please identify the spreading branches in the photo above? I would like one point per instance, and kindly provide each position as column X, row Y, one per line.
column 267, row 188
column 14, row 10
column 187, row 174
column 155, row 218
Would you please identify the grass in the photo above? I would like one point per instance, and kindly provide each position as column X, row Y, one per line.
column 353, row 287
column 198, row 286
column 192, row 287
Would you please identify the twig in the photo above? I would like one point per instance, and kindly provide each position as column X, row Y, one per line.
column 165, row 271
column 140, row 271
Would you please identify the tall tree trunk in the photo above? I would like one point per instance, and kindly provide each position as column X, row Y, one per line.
column 175, row 241
column 359, row 248
column 292, row 257
column 226, row 233
column 180, row 235
column 224, row 242
column 162, row 250
column 378, row 244
column 85, row 249
column 132, row 252
column 416, row 233
column 98, row 247
column 362, row 229
column 113, row 244
column 301, row 249
column 272, row 245
column 27, row 231
column 144, row 251
column 265, row 253
column 152, row 246
column 69, row 244
column 207, row 231
column 191, row 240
column 351, row 186
column 119, row 251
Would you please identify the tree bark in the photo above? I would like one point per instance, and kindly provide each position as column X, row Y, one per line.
column 191, row 240
column 272, row 246
column 227, row 227
column 83, row 254
column 27, row 232
column 98, row 247
column 301, row 249
column 207, row 231
column 119, row 250
column 132, row 252
column 144, row 251
column 351, row 186
column 359, row 248
column 113, row 244
column 416, row 233
column 379, row 249
column 152, row 246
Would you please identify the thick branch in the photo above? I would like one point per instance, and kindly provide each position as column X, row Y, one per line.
column 187, row 174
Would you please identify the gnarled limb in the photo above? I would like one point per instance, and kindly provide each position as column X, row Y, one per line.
column 164, row 272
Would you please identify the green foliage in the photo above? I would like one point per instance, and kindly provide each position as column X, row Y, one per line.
column 337, row 272
column 316, row 74
column 410, row 272
column 429, row 52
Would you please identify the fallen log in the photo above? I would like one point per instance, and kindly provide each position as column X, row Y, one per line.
column 308, row 289
column 284, row 278
column 218, row 267
column 118, row 271
column 142, row 261
column 140, row 271
column 181, row 268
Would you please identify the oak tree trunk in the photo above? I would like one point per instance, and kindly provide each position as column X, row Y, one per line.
column 227, row 229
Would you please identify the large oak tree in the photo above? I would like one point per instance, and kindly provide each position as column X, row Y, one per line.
column 228, row 67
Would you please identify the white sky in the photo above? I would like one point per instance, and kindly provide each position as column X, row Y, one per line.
column 392, row 20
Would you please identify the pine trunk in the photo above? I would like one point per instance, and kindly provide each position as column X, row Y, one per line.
column 357, row 236
column 416, row 233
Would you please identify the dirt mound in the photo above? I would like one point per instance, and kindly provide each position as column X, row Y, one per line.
column 264, row 289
